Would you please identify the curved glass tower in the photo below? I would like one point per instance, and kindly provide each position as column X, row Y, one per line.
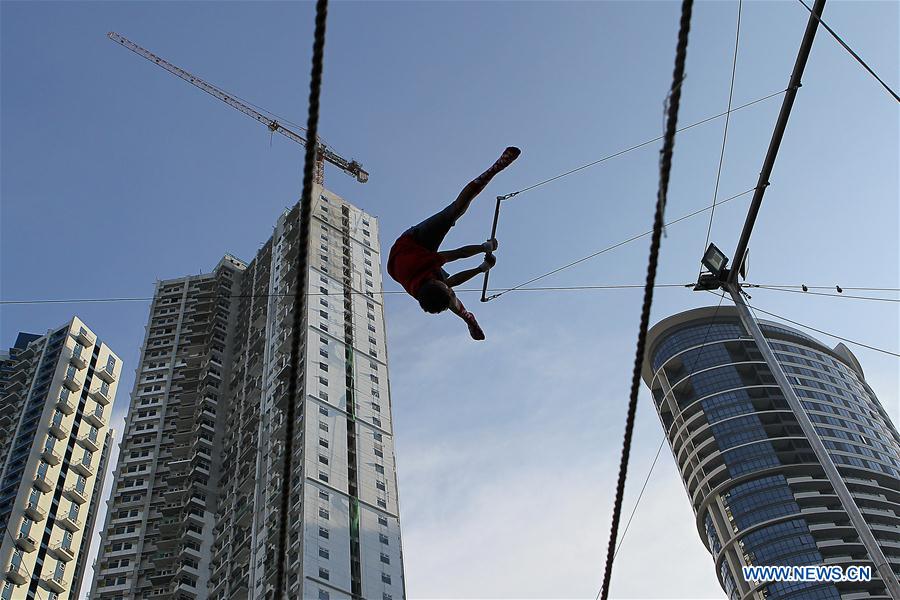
column 759, row 494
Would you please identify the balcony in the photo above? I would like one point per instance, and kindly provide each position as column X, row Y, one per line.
column 26, row 542
column 34, row 512
column 63, row 553
column 84, row 337
column 78, row 359
column 95, row 417
column 89, row 442
column 70, row 380
column 170, row 525
column 50, row 457
column 76, row 495
column 55, row 583
column 106, row 373
column 172, row 508
column 57, row 430
column 41, row 482
column 83, row 468
column 162, row 576
column 16, row 573
column 64, row 404
column 101, row 394
column 69, row 521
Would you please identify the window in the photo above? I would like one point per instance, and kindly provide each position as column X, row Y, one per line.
column 323, row 512
column 382, row 521
column 323, row 367
column 386, row 596
column 323, row 552
column 383, row 539
column 382, row 503
column 323, row 495
column 385, row 558
column 323, row 595
column 323, row 573
column 323, row 476
column 323, row 532
column 377, row 436
column 380, row 485
column 323, row 459
column 385, row 578
column 323, row 410
column 323, row 442
column 379, row 453
column 323, row 426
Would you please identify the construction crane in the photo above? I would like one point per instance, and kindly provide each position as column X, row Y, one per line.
column 323, row 152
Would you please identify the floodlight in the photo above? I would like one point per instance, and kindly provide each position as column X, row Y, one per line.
column 714, row 260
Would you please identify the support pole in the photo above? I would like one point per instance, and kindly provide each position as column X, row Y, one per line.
column 780, row 125
column 834, row 477
column 487, row 273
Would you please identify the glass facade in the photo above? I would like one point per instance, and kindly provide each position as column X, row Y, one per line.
column 759, row 493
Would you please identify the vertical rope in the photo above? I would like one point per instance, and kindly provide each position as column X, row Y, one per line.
column 300, row 283
column 665, row 168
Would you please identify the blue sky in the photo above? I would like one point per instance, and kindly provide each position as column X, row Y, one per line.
column 115, row 173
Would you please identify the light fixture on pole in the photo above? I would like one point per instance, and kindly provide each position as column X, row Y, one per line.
column 715, row 261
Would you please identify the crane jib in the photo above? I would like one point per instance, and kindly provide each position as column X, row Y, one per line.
column 351, row 167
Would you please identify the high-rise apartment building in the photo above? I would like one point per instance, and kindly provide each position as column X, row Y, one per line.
column 56, row 395
column 196, row 505
column 760, row 495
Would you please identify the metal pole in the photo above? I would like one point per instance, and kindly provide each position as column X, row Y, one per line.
column 834, row 477
column 780, row 125
column 487, row 273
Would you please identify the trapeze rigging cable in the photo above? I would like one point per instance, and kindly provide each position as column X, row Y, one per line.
column 614, row 246
column 834, row 335
column 674, row 102
column 737, row 38
column 619, row 286
column 850, row 50
column 640, row 145
column 808, row 293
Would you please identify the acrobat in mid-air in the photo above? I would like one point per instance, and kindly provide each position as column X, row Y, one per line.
column 416, row 263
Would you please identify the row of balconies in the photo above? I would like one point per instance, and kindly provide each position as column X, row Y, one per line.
column 17, row 574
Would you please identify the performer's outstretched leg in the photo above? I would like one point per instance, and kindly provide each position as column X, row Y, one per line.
column 432, row 231
column 477, row 185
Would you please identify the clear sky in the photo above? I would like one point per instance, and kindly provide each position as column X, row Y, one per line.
column 116, row 173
